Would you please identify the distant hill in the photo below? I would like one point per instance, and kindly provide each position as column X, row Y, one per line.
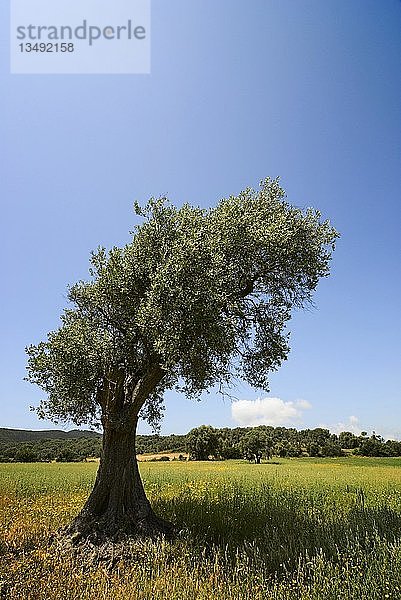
column 26, row 435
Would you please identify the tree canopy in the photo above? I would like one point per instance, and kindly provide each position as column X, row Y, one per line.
column 198, row 296
column 202, row 442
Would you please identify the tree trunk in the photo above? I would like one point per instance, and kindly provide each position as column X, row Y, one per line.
column 117, row 505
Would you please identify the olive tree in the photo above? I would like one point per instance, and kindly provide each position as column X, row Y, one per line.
column 202, row 442
column 199, row 296
column 254, row 444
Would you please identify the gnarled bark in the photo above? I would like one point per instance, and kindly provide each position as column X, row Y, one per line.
column 117, row 505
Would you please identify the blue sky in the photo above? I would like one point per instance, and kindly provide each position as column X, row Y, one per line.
column 304, row 89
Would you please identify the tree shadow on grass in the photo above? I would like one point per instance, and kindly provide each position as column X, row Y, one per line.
column 276, row 530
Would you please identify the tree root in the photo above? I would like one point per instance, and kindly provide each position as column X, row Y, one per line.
column 93, row 543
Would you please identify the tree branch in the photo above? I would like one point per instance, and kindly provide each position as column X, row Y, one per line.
column 145, row 386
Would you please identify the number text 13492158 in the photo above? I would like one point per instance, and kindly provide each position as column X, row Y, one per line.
column 47, row 47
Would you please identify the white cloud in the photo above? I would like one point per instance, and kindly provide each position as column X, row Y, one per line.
column 352, row 424
column 389, row 433
column 268, row 411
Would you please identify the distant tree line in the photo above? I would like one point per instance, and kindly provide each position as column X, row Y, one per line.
column 206, row 442
column 255, row 443
column 82, row 448
column 152, row 444
column 48, row 450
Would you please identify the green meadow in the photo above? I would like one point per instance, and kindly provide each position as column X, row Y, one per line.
column 287, row 529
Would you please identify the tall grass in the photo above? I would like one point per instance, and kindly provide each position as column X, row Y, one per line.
column 307, row 529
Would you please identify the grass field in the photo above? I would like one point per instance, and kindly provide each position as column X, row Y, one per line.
column 291, row 529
